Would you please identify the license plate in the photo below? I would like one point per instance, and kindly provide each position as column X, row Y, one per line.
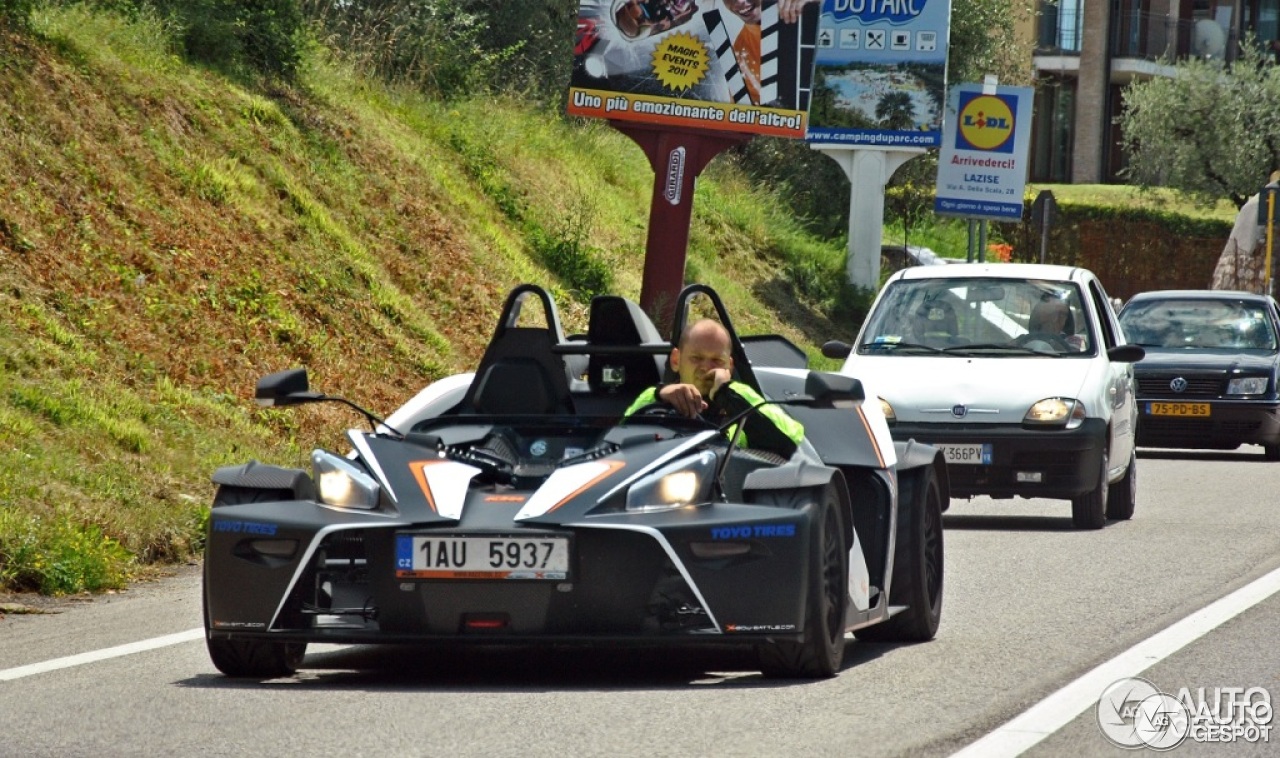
column 967, row 455
column 1178, row 409
column 489, row 556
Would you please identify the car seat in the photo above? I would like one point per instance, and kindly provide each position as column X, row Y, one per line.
column 520, row 372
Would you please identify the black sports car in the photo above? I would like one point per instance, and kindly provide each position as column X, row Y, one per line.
column 1208, row 380
column 516, row 505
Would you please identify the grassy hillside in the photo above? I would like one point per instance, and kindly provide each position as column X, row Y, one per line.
column 167, row 236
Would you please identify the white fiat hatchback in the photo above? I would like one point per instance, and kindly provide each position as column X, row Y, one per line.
column 1019, row 373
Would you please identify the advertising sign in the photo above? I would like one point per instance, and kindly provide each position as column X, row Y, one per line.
column 881, row 73
column 724, row 65
column 982, row 167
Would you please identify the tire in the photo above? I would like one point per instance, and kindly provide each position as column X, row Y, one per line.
column 1089, row 511
column 250, row 658
column 253, row 659
column 1123, row 495
column 821, row 651
column 1271, row 452
column 917, row 569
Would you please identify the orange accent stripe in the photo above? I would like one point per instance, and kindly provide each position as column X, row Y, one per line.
column 417, row 468
column 612, row 467
column 875, row 443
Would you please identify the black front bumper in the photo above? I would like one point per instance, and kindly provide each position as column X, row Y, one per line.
column 1067, row 461
column 341, row 586
column 1230, row 424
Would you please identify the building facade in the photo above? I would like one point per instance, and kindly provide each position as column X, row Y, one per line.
column 1087, row 51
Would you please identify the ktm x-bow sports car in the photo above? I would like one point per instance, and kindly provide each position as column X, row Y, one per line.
column 517, row 505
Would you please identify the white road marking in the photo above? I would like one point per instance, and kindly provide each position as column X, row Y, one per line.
column 93, row 656
column 1062, row 707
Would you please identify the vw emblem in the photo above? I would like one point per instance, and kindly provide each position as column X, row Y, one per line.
column 1178, row 384
column 959, row 411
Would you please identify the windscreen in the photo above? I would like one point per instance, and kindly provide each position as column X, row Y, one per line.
column 997, row 316
column 1198, row 323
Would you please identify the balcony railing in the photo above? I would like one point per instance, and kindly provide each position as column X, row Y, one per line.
column 1140, row 35
column 1059, row 32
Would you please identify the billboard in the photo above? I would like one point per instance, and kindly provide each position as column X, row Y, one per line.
column 982, row 166
column 723, row 65
column 881, row 73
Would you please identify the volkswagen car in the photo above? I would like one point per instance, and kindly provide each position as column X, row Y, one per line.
column 1209, row 377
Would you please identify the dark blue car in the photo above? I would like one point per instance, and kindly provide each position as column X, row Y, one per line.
column 1209, row 377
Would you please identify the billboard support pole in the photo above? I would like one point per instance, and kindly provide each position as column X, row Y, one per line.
column 677, row 157
column 869, row 170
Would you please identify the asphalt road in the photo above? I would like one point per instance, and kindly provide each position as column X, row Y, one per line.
column 1031, row 606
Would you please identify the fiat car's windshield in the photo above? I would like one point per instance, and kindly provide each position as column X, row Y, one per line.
column 991, row 316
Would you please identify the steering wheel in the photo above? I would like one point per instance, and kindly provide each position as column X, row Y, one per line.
column 657, row 408
column 1056, row 341
column 661, row 410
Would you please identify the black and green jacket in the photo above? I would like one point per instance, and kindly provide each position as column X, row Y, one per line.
column 769, row 428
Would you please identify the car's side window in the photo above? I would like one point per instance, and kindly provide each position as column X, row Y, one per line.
column 1106, row 316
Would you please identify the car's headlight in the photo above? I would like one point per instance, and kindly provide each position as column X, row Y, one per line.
column 340, row 483
column 1056, row 411
column 889, row 415
column 1247, row 385
column 682, row 483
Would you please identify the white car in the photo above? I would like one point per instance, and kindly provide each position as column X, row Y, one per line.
column 1019, row 373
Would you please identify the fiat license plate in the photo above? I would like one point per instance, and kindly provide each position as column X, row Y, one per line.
column 1178, row 409
column 967, row 455
column 488, row 556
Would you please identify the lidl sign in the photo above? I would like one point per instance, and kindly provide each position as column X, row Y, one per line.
column 982, row 166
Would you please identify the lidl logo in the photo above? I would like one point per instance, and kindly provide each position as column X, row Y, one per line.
column 985, row 122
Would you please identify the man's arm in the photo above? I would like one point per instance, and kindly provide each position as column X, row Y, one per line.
column 648, row 397
column 769, row 428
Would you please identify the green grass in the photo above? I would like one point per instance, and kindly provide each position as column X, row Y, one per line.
column 174, row 235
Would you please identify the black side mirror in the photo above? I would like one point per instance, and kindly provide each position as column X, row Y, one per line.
column 827, row 390
column 288, row 387
column 1127, row 353
column 836, row 349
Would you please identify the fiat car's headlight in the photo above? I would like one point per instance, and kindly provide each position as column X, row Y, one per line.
column 889, row 415
column 682, row 483
column 341, row 483
column 1247, row 385
column 1056, row 411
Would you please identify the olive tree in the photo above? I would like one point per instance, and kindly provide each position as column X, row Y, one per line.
column 1210, row 130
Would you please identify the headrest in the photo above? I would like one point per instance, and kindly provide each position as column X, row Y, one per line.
column 515, row 385
column 615, row 320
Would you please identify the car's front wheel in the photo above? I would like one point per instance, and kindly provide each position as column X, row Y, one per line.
column 1089, row 511
column 1124, row 493
column 249, row 658
column 821, row 650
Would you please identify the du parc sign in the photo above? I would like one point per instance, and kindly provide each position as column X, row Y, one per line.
column 880, row 73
